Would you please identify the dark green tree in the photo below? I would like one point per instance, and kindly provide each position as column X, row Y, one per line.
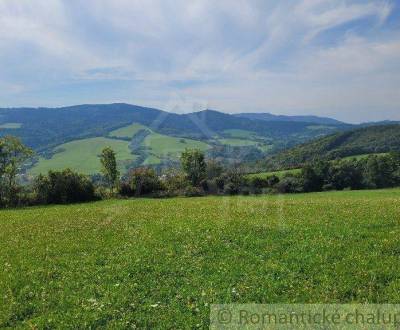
column 109, row 167
column 194, row 165
column 13, row 154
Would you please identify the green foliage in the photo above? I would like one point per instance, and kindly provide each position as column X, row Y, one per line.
column 160, row 263
column 175, row 182
column 194, row 165
column 109, row 166
column 290, row 185
column 369, row 140
column 13, row 154
column 140, row 182
column 63, row 187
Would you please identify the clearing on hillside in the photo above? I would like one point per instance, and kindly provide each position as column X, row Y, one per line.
column 83, row 156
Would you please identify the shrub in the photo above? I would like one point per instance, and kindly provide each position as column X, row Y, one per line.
column 193, row 191
column 231, row 189
column 245, row 191
column 63, row 187
column 174, row 182
column 259, row 182
column 141, row 181
column 290, row 184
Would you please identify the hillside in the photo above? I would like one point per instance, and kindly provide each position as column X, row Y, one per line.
column 147, row 136
column 368, row 140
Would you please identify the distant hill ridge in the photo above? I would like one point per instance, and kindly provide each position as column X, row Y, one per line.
column 41, row 128
column 307, row 119
column 63, row 136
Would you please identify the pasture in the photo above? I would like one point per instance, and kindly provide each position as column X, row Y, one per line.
column 279, row 174
column 160, row 146
column 83, row 155
column 160, row 263
column 127, row 131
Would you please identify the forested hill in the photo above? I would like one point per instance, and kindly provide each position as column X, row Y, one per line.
column 74, row 136
column 42, row 128
column 373, row 139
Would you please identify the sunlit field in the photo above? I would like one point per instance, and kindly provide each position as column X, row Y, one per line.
column 161, row 263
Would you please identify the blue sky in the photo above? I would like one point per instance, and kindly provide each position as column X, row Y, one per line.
column 325, row 57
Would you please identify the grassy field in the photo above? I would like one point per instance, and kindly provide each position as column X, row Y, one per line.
column 238, row 142
column 160, row 146
column 127, row 131
column 240, row 133
column 83, row 155
column 160, row 263
column 243, row 138
column 279, row 174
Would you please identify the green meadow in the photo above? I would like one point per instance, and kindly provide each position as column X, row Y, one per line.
column 160, row 146
column 160, row 263
column 279, row 174
column 238, row 142
column 83, row 155
column 127, row 131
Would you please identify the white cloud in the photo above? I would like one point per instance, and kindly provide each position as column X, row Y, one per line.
column 236, row 56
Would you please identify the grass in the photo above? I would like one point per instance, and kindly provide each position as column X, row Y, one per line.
column 159, row 146
column 160, row 263
column 151, row 160
column 243, row 138
column 238, row 142
column 10, row 126
column 279, row 174
column 240, row 133
column 127, row 131
column 162, row 146
column 83, row 155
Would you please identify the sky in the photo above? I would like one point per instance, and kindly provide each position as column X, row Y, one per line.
column 337, row 58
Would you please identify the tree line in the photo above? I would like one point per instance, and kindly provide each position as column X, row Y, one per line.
column 197, row 176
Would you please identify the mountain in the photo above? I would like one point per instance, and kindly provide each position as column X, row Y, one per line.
column 306, row 119
column 361, row 141
column 74, row 136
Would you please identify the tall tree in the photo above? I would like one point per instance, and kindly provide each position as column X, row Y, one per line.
column 12, row 156
column 109, row 167
column 194, row 165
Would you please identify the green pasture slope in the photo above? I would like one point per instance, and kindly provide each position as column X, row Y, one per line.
column 160, row 263
column 279, row 174
column 83, row 156
column 127, row 131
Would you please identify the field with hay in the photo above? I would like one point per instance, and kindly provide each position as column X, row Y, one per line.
column 160, row 263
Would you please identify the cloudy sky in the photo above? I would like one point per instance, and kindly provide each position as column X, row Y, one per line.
column 338, row 58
